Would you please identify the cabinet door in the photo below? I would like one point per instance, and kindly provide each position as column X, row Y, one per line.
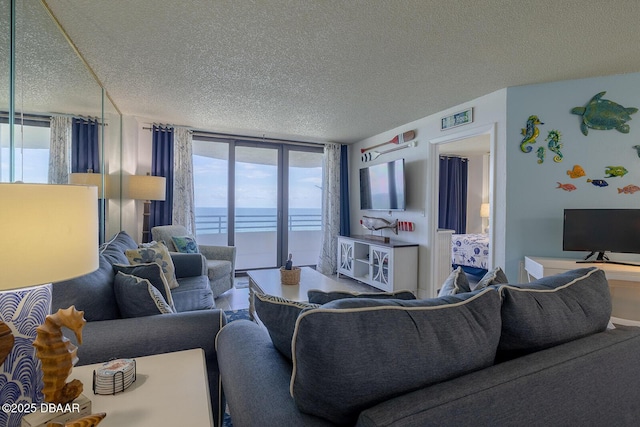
column 380, row 272
column 345, row 257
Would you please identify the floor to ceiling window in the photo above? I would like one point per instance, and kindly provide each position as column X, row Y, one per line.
column 263, row 198
column 31, row 153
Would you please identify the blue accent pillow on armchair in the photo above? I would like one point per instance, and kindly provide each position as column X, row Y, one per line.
column 185, row 244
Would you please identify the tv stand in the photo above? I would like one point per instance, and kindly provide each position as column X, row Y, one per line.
column 602, row 258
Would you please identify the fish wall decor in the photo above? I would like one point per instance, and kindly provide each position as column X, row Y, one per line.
column 598, row 182
column 637, row 148
column 576, row 172
column 628, row 189
column 540, row 152
column 613, row 171
column 603, row 114
column 530, row 133
column 566, row 187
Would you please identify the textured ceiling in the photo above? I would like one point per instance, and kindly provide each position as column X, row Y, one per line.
column 333, row 70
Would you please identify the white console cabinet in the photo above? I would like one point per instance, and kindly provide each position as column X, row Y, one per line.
column 389, row 266
column 624, row 281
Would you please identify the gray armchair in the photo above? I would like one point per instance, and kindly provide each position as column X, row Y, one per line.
column 220, row 259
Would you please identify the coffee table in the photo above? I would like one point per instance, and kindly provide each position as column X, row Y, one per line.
column 268, row 282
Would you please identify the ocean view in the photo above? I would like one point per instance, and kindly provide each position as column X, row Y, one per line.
column 214, row 220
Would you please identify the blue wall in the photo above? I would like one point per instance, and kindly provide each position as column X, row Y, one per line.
column 534, row 212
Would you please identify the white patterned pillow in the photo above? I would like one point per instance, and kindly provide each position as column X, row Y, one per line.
column 456, row 283
column 155, row 252
column 494, row 277
column 137, row 297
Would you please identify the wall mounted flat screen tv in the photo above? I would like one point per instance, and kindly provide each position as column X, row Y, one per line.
column 601, row 230
column 382, row 186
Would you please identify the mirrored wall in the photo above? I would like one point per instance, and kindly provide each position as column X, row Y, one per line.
column 50, row 80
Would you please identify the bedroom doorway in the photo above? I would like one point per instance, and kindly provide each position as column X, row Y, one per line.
column 476, row 145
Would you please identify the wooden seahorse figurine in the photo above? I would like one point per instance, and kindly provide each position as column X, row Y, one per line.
column 530, row 133
column 58, row 355
column 88, row 421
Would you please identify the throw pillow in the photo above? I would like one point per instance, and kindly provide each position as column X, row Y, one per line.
column 137, row 297
column 279, row 316
column 316, row 296
column 185, row 244
column 553, row 310
column 494, row 277
column 354, row 353
column 456, row 283
column 158, row 253
column 153, row 273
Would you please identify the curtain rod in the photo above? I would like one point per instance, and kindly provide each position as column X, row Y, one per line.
column 247, row 138
column 47, row 119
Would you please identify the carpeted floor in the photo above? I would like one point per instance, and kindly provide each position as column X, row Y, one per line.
column 237, row 314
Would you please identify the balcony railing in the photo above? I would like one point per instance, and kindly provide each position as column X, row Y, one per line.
column 218, row 224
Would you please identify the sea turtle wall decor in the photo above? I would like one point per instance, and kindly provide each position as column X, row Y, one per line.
column 603, row 114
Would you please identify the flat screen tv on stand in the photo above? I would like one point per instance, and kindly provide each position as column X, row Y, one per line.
column 602, row 230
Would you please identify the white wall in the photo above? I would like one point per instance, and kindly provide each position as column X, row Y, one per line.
column 421, row 166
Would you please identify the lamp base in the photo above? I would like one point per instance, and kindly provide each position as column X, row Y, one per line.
column 22, row 310
column 146, row 214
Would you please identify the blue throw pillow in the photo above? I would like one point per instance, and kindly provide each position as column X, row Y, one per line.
column 351, row 354
column 153, row 273
column 553, row 310
column 279, row 316
column 316, row 296
column 185, row 244
column 138, row 297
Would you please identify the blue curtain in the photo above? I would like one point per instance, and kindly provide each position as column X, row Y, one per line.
column 85, row 152
column 161, row 212
column 452, row 212
column 345, row 225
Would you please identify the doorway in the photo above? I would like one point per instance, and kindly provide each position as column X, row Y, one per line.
column 476, row 143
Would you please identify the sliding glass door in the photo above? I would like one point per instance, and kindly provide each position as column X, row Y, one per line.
column 263, row 198
column 256, row 207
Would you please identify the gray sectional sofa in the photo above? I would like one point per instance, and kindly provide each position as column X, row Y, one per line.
column 542, row 353
column 107, row 335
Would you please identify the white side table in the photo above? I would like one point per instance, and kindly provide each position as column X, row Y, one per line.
column 170, row 390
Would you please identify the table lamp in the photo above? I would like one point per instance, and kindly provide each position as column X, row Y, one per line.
column 484, row 213
column 49, row 234
column 104, row 192
column 147, row 188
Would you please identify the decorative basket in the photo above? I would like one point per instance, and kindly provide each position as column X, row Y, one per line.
column 290, row 277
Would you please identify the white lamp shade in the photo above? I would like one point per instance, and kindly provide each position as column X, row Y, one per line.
column 146, row 187
column 89, row 178
column 484, row 210
column 49, row 233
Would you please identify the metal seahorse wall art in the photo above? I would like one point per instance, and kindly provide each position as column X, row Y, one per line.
column 553, row 137
column 530, row 133
column 58, row 355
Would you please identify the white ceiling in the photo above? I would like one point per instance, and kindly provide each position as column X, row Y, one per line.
column 334, row 70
